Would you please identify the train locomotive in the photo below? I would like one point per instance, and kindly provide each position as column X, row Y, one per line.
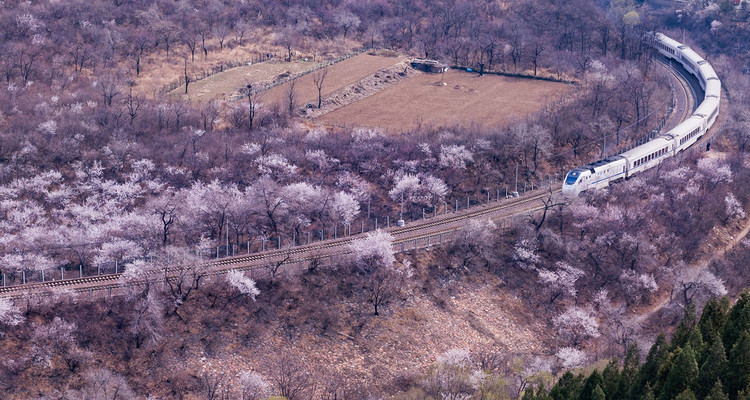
column 650, row 154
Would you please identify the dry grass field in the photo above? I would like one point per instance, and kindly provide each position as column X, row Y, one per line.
column 158, row 70
column 464, row 99
column 339, row 75
column 225, row 84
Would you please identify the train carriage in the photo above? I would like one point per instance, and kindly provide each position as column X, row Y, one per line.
column 599, row 174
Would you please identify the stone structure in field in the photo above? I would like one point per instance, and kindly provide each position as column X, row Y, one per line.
column 425, row 65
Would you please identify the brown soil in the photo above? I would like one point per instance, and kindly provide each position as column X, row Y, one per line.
column 363, row 88
column 407, row 338
column 464, row 98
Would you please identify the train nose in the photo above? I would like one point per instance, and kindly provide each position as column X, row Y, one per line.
column 570, row 190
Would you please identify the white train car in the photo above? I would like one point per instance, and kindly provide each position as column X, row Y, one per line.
column 596, row 175
column 687, row 132
column 648, row 155
column 708, row 110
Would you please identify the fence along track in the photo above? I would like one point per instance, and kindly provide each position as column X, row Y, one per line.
column 306, row 253
column 254, row 261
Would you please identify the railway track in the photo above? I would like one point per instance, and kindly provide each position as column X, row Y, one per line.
column 439, row 225
column 436, row 226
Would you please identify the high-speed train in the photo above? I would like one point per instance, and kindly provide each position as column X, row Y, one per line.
column 600, row 173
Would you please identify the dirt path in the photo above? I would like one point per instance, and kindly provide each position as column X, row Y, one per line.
column 701, row 264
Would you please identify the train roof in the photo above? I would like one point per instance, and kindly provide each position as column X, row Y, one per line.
column 646, row 148
column 713, row 88
column 691, row 55
column 707, row 106
column 707, row 72
column 686, row 126
column 667, row 40
column 600, row 163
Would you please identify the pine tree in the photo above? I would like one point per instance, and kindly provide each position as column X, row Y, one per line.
column 695, row 340
column 568, row 387
column 717, row 392
column 683, row 374
column 528, row 394
column 738, row 367
column 541, row 393
column 656, row 357
column 686, row 394
column 598, row 394
column 630, row 368
column 648, row 393
column 592, row 382
column 713, row 368
column 612, row 381
column 682, row 334
column 713, row 319
column 738, row 320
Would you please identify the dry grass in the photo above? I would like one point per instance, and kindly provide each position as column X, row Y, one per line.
column 158, row 70
column 463, row 98
column 225, row 84
column 339, row 75
column 406, row 339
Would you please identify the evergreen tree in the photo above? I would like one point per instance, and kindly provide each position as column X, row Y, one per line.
column 738, row 368
column 647, row 376
column 568, row 387
column 598, row 394
column 683, row 375
column 695, row 340
column 713, row 368
column 648, row 393
column 541, row 393
column 528, row 394
column 686, row 394
column 612, row 381
column 594, row 380
column 717, row 392
column 713, row 319
column 630, row 368
column 738, row 320
column 684, row 330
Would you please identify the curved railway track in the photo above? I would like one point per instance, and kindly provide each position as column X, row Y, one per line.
column 439, row 225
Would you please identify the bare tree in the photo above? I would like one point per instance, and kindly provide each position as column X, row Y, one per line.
column 221, row 32
column 133, row 104
column 191, row 41
column 318, row 79
column 108, row 87
column 292, row 380
column 211, row 383
column 291, row 96
column 253, row 102
column 187, row 77
column 536, row 51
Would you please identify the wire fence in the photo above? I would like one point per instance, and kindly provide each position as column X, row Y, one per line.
column 261, row 87
column 266, row 243
column 205, row 73
column 371, row 223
